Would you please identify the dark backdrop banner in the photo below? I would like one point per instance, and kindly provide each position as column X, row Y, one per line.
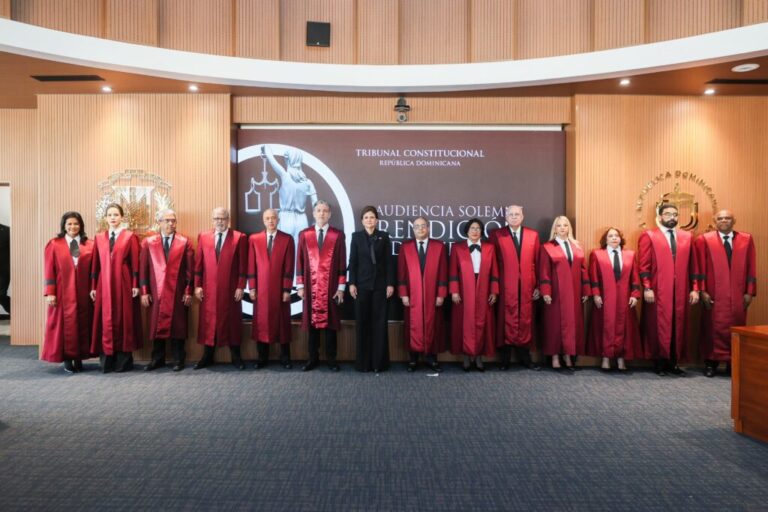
column 447, row 176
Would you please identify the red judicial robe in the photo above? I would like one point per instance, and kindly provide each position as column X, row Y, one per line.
column 423, row 325
column 220, row 314
column 671, row 281
column 566, row 284
column 472, row 323
column 167, row 282
column 68, row 325
column 614, row 330
column 271, row 275
column 321, row 271
column 517, row 280
column 117, row 316
column 727, row 287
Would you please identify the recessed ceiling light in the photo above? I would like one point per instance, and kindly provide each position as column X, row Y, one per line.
column 106, row 88
column 709, row 91
column 743, row 68
column 193, row 88
column 625, row 82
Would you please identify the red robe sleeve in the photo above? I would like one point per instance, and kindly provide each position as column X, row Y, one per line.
column 594, row 275
column 199, row 263
column 49, row 270
column 288, row 265
column 95, row 265
column 645, row 260
column 700, row 255
column 300, row 260
column 751, row 288
column 494, row 289
column 453, row 273
column 342, row 261
column 144, row 262
column 251, row 270
column 586, row 289
column 189, row 255
column 545, row 273
column 442, row 276
column 134, row 252
column 402, row 274
column 242, row 261
column 635, row 286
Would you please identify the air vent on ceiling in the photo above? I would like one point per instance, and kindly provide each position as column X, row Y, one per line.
column 68, row 78
column 738, row 81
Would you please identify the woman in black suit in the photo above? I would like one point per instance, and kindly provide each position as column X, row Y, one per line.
column 371, row 283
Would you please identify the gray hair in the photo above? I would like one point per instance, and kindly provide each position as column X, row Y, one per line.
column 508, row 209
column 162, row 213
column 222, row 209
column 320, row 202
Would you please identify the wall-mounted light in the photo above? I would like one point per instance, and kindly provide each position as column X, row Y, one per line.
column 625, row 82
column 193, row 88
column 106, row 88
column 709, row 92
column 402, row 108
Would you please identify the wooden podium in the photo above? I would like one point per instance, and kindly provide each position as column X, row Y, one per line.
column 749, row 385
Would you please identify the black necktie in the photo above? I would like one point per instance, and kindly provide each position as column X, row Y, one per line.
column 422, row 256
column 728, row 249
column 672, row 242
column 111, row 242
column 166, row 246
column 473, row 248
column 218, row 246
column 269, row 245
column 516, row 242
column 568, row 252
column 74, row 249
column 320, row 239
column 616, row 265
column 372, row 249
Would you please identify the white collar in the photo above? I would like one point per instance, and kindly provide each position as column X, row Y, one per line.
column 69, row 239
column 470, row 243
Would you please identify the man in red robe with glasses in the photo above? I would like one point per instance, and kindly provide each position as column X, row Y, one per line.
column 165, row 278
column 728, row 276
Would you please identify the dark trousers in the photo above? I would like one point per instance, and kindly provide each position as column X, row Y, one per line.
column 522, row 354
column 314, row 345
column 119, row 361
column 263, row 349
column 428, row 358
column 209, row 351
column 177, row 346
column 371, row 340
column 5, row 300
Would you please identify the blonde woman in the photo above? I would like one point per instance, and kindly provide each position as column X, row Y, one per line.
column 564, row 287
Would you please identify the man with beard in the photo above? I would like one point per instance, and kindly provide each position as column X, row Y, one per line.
column 728, row 283
column 668, row 277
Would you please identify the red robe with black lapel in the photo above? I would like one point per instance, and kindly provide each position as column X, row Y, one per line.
column 472, row 323
column 321, row 272
column 271, row 275
column 566, row 284
column 727, row 286
column 117, row 315
column 614, row 330
column 167, row 282
column 68, row 325
column 220, row 314
column 671, row 281
column 517, row 281
column 423, row 325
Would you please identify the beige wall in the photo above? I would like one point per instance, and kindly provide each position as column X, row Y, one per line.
column 390, row 31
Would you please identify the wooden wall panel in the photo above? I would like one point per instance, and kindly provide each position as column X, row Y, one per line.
column 77, row 16
column 257, row 35
column 379, row 109
column 618, row 23
column 132, row 21
column 718, row 139
column 203, row 26
column 554, row 27
column 340, row 14
column 378, row 32
column 672, row 19
column 5, row 8
column 434, row 31
column 754, row 11
column 18, row 167
column 492, row 30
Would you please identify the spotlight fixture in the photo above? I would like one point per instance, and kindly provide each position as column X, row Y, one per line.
column 106, row 88
column 709, row 92
column 745, row 68
column 624, row 82
column 402, row 108
column 193, row 88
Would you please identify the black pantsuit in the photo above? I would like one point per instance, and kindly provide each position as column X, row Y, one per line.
column 371, row 270
column 5, row 266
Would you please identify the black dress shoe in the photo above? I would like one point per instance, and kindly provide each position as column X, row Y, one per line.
column 238, row 365
column 259, row 365
column 503, row 367
column 676, row 370
column 466, row 368
column 532, row 366
column 178, row 367
column 308, row 367
column 480, row 368
column 68, row 366
column 287, row 365
column 203, row 363
column 376, row 371
column 570, row 369
column 411, row 367
column 436, row 367
column 154, row 365
column 709, row 371
column 333, row 367
column 78, row 365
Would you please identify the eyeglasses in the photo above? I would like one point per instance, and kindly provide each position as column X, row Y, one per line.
column 474, row 228
column 670, row 215
column 220, row 219
column 169, row 221
column 419, row 226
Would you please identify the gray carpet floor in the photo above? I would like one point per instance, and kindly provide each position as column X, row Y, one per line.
column 219, row 439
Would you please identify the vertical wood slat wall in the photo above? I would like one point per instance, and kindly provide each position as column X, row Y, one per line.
column 390, row 31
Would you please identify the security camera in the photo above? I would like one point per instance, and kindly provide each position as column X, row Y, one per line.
column 402, row 108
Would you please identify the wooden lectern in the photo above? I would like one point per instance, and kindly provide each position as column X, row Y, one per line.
column 749, row 385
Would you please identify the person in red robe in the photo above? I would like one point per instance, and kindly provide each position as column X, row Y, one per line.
column 667, row 273
column 474, row 285
column 165, row 276
column 564, row 286
column 728, row 276
column 517, row 253
column 220, row 275
column 614, row 332
column 67, row 285
column 270, row 279
column 117, row 328
column 422, row 284
column 321, row 268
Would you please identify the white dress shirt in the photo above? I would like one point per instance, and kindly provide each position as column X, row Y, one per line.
column 475, row 255
column 69, row 242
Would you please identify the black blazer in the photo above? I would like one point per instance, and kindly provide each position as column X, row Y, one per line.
column 362, row 271
column 5, row 252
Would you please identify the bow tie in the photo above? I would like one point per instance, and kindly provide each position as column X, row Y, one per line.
column 474, row 247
